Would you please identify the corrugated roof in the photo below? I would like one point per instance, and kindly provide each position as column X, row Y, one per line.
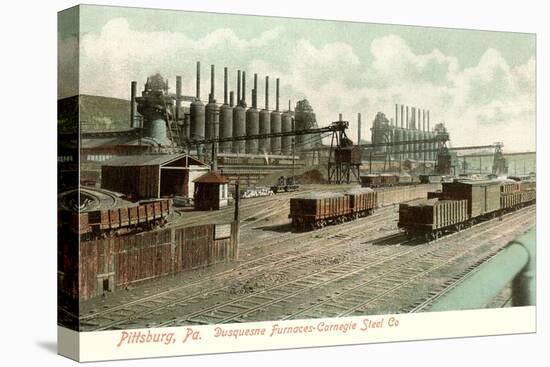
column 212, row 177
column 148, row 160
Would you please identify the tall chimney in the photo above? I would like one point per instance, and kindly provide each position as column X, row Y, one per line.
column 212, row 78
column 413, row 117
column 133, row 91
column 267, row 92
column 359, row 128
column 243, row 89
column 407, row 120
column 396, row 114
column 239, row 87
column 423, row 120
column 254, row 98
column 178, row 97
column 402, row 107
column 198, row 80
column 277, row 95
column 339, row 117
column 419, row 119
column 289, row 106
column 225, row 85
column 428, row 116
column 231, row 98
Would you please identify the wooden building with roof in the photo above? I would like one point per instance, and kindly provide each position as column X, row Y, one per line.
column 211, row 191
column 150, row 176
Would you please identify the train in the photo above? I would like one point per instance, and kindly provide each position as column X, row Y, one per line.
column 285, row 184
column 461, row 204
column 317, row 210
column 101, row 213
column 374, row 180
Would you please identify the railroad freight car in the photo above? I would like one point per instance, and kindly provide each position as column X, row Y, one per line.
column 374, row 180
column 102, row 213
column 320, row 209
column 483, row 196
column 483, row 200
column 432, row 217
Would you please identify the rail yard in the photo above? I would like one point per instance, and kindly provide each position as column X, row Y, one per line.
column 366, row 266
column 209, row 214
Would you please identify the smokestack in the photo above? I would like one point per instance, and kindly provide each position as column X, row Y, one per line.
column 133, row 91
column 198, row 80
column 289, row 106
column 267, row 92
column 339, row 117
column 212, row 78
column 178, row 97
column 423, row 120
column 428, row 116
column 231, row 98
column 413, row 117
column 402, row 107
column 407, row 121
column 419, row 119
column 359, row 128
column 254, row 100
column 396, row 114
column 239, row 87
column 225, row 85
column 277, row 95
column 243, row 89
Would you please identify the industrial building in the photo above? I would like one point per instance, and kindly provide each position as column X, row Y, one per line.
column 152, row 175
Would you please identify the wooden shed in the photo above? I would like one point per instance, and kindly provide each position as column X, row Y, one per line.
column 152, row 175
column 211, row 191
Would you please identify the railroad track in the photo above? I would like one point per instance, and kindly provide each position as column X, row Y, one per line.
column 240, row 309
column 321, row 246
column 374, row 291
column 237, row 307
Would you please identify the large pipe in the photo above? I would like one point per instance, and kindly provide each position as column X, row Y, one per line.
column 239, row 87
column 198, row 80
column 424, row 120
column 225, row 85
column 133, row 92
column 212, row 112
column 212, row 76
column 178, row 97
column 255, row 92
column 276, row 121
column 226, row 116
column 243, row 89
column 359, row 128
column 265, row 122
column 267, row 92
column 277, row 95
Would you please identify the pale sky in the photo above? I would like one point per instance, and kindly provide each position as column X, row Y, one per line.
column 480, row 83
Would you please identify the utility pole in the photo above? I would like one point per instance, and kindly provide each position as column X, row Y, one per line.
column 293, row 150
column 236, row 218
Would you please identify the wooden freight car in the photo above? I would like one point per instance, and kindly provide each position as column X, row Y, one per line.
column 433, row 218
column 318, row 210
column 483, row 196
column 362, row 201
column 144, row 215
column 93, row 213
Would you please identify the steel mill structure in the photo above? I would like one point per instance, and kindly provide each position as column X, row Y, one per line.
column 411, row 124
